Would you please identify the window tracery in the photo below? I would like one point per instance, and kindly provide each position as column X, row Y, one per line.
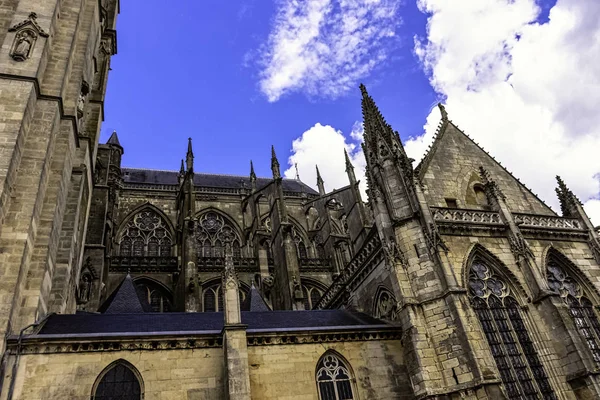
column 157, row 297
column 333, row 379
column 213, row 232
column 312, row 295
column 580, row 307
column 146, row 234
column 118, row 383
column 213, row 298
column 300, row 246
column 520, row 369
column 385, row 305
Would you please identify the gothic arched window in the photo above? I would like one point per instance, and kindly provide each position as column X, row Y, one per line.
column 213, row 298
column 146, row 234
column 334, row 380
column 580, row 307
column 213, row 232
column 118, row 383
column 302, row 253
column 520, row 368
column 312, row 295
column 385, row 305
column 159, row 298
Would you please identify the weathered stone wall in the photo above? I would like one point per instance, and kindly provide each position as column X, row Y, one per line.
column 288, row 371
column 454, row 169
column 173, row 374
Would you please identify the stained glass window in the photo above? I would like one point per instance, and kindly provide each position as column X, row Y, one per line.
column 333, row 379
column 146, row 234
column 580, row 307
column 520, row 369
column 119, row 383
column 213, row 232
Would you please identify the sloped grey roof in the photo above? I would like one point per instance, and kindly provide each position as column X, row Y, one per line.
column 125, row 299
column 139, row 323
column 163, row 177
column 254, row 301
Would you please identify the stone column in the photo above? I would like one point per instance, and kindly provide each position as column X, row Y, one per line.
column 237, row 373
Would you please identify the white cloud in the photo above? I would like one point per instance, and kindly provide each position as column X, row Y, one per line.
column 324, row 146
column 527, row 92
column 322, row 47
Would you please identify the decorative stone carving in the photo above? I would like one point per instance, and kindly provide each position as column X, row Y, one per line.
column 85, row 90
column 393, row 253
column 26, row 35
column 298, row 294
column 520, row 248
column 385, row 306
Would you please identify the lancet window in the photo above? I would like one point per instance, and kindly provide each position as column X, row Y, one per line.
column 213, row 232
column 146, row 234
column 300, row 246
column 213, row 298
column 334, row 380
column 580, row 307
column 158, row 298
column 312, row 295
column 520, row 368
column 118, row 383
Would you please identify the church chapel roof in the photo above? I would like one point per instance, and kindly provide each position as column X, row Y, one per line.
column 254, row 301
column 221, row 181
column 207, row 322
column 125, row 299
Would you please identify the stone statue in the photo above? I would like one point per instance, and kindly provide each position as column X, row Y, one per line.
column 85, row 287
column 23, row 43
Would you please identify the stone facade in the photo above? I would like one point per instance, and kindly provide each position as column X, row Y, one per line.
column 452, row 281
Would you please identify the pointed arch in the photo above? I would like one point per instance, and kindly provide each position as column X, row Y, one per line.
column 580, row 296
column 142, row 207
column 145, row 231
column 212, row 299
column 213, row 230
column 551, row 253
column 119, row 378
column 478, row 252
column 384, row 304
column 158, row 295
column 493, row 299
column 313, row 291
column 334, row 377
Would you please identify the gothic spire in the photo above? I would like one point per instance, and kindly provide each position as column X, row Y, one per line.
column 568, row 200
column 320, row 183
column 349, row 168
column 114, row 139
column 443, row 112
column 275, row 164
column 189, row 158
column 182, row 168
column 252, row 176
column 377, row 130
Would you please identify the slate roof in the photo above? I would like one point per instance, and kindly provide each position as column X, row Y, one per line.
column 208, row 322
column 254, row 301
column 126, row 298
column 161, row 177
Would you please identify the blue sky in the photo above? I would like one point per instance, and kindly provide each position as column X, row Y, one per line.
column 191, row 71
column 521, row 77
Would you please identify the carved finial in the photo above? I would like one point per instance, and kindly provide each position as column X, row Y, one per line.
column 252, row 176
column 189, row 158
column 491, row 188
column 443, row 112
column 297, row 174
column 275, row 164
column 348, row 161
column 182, row 168
column 32, row 15
column 568, row 200
column 320, row 183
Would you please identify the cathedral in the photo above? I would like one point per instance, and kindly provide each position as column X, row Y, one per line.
column 451, row 280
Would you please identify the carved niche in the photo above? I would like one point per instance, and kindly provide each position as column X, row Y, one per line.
column 26, row 35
